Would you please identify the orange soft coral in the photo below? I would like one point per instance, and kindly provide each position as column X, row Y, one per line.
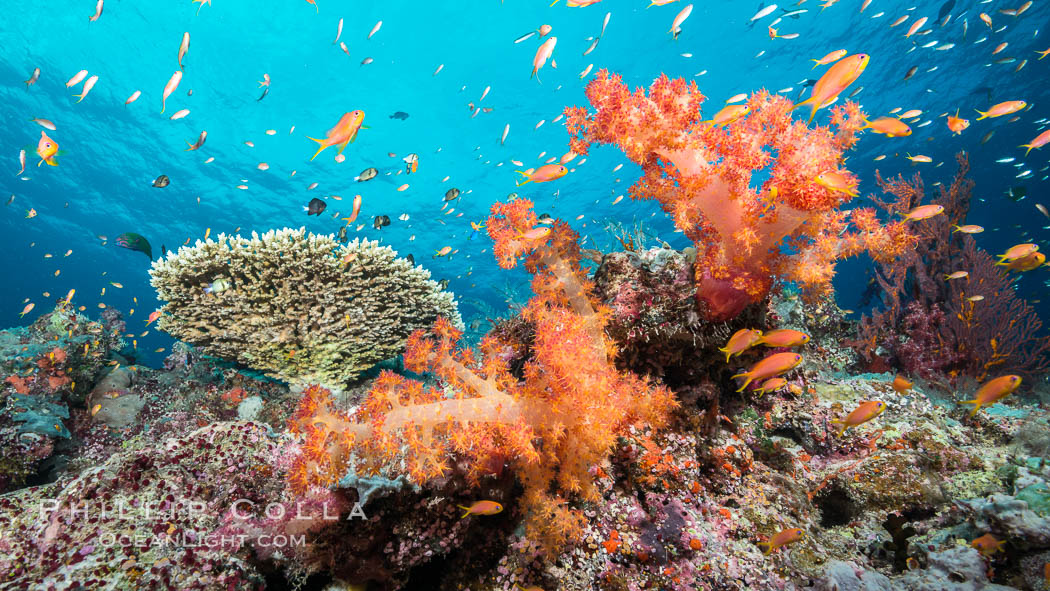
column 701, row 175
column 551, row 427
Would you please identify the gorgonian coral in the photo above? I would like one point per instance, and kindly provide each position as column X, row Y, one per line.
column 552, row 424
column 702, row 176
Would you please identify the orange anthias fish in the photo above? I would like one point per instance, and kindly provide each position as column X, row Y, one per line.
column 783, row 337
column 542, row 55
column 1003, row 108
column 769, row 367
column 865, row 411
column 543, row 174
column 987, row 544
column 203, row 2
column 729, row 114
column 1027, row 263
column 344, row 132
column 924, row 212
column 783, row 538
column 992, row 391
column 835, row 80
column 153, row 316
column 482, row 508
column 834, row 56
column 889, row 126
column 770, row 385
column 837, row 181
column 901, row 385
column 1039, row 141
column 741, row 341
column 1017, row 251
column 46, row 148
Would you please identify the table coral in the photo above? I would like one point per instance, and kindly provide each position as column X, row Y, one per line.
column 300, row 307
column 701, row 175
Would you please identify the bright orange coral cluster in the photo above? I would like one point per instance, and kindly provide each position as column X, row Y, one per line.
column 551, row 425
column 702, row 173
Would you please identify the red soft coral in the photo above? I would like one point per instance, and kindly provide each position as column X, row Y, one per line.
column 701, row 174
column 551, row 427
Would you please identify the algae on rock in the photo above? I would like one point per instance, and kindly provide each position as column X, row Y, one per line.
column 299, row 307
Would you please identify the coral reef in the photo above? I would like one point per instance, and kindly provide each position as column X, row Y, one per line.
column 701, row 174
column 300, row 307
column 974, row 325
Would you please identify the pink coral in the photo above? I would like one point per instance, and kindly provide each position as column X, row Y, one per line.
column 701, row 174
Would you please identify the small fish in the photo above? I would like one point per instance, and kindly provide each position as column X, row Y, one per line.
column 482, row 508
column 994, row 390
column 783, row 538
column 1003, row 108
column 87, row 88
column 367, row 174
column 889, row 126
column 375, row 29
column 169, row 88
column 315, row 207
column 783, row 337
column 956, row 124
column 865, row 411
column 924, row 212
column 543, row 174
column 763, row 12
column 1017, row 251
column 136, row 242
column 968, row 229
column 153, row 316
column 27, row 309
column 839, row 76
column 503, row 137
column 47, row 149
column 30, row 213
column 344, row 132
column 769, row 367
column 832, row 57
column 741, row 341
column 1040, row 140
column 379, row 221
column 451, row 194
column 543, row 53
column 987, row 545
column 836, row 181
column 76, row 78
column 134, row 97
column 183, row 48
column 217, row 286
column 901, row 385
column 22, row 162
column 399, row 115
column 161, row 181
column 338, row 32
column 32, row 79
column 181, row 113
column 919, row 158
column 200, row 142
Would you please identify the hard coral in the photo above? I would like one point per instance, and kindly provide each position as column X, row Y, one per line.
column 298, row 306
column 701, row 175
column 552, row 426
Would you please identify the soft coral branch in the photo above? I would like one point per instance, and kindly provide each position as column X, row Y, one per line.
column 701, row 174
column 552, row 425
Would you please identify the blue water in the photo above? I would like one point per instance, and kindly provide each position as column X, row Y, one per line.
column 113, row 152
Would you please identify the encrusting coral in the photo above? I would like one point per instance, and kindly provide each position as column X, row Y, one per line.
column 554, row 424
column 300, row 307
column 701, row 174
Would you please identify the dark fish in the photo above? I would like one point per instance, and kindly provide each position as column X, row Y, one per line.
column 315, row 207
column 946, row 9
column 380, row 221
column 987, row 136
column 911, row 72
column 411, row 259
column 200, row 142
column 11, row 200
column 855, row 92
column 367, row 61
column 342, row 234
column 162, row 181
column 133, row 241
column 266, row 91
column 443, row 283
column 163, row 251
column 367, row 174
column 190, row 93
column 399, row 115
column 451, row 194
column 544, row 218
